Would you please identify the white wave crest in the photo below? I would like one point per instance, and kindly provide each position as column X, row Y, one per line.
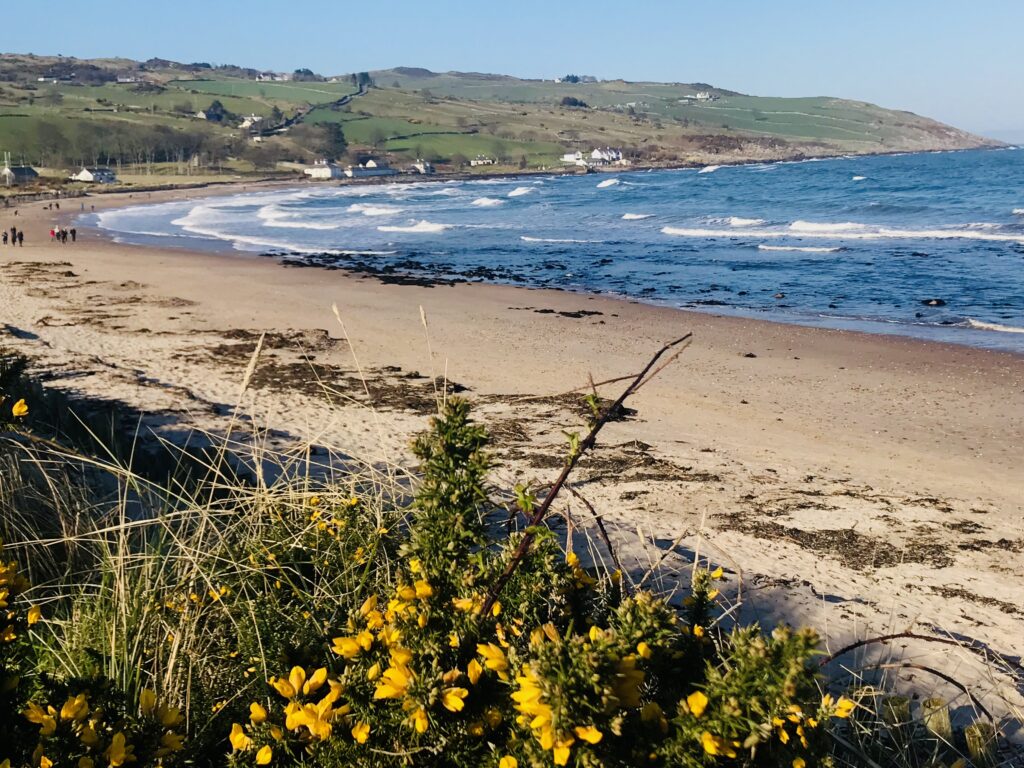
column 637, row 216
column 981, row 325
column 798, row 248
column 608, row 183
column 859, row 178
column 374, row 210
column 527, row 239
column 520, row 191
column 709, row 169
column 420, row 227
column 1018, row 211
column 274, row 215
column 487, row 202
column 737, row 221
column 812, row 227
column 848, row 231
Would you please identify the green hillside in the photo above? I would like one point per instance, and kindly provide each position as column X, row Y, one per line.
column 59, row 113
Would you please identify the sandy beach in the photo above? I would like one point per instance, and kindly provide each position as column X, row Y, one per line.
column 868, row 484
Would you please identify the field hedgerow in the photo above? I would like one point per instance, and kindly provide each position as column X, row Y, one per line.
column 349, row 623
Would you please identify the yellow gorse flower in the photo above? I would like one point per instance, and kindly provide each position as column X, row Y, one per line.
column 697, row 702
column 264, row 755
column 119, row 752
column 361, row 732
column 147, row 702
column 257, row 713
column 716, row 745
column 238, row 738
column 589, row 734
column 452, row 699
column 19, row 409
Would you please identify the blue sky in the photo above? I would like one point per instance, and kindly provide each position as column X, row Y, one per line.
column 958, row 61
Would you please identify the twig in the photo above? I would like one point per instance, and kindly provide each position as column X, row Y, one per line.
column 981, row 651
column 604, row 533
column 587, row 443
column 943, row 676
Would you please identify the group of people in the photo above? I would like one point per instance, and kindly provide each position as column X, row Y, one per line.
column 15, row 236
column 61, row 235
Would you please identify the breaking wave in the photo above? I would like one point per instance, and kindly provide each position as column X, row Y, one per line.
column 527, row 239
column 798, row 248
column 487, row 202
column 709, row 169
column 637, row 216
column 419, row 228
column 859, row 178
column 983, row 326
column 520, row 191
column 608, row 183
column 374, row 210
column 849, row 231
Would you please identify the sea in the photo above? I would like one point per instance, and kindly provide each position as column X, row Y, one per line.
column 922, row 245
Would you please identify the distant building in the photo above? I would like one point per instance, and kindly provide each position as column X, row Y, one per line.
column 250, row 121
column 482, row 160
column 324, row 170
column 95, row 176
column 14, row 175
column 125, row 79
column 597, row 157
column 370, row 167
column 422, row 167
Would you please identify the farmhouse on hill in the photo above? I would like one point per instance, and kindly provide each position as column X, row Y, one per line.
column 95, row 176
column 17, row 174
column 371, row 167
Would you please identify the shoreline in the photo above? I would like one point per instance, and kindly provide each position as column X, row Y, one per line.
column 864, row 483
column 992, row 338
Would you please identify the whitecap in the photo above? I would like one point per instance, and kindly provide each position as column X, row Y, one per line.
column 737, row 221
column 709, row 169
column 487, row 202
column 527, row 239
column 1018, row 211
column 859, row 178
column 420, row 227
column 274, row 215
column 983, row 326
column 812, row 227
column 608, row 183
column 637, row 216
column 520, row 191
column 797, row 248
column 374, row 210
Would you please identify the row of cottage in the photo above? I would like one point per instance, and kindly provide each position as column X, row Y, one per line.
column 15, row 175
column 325, row 169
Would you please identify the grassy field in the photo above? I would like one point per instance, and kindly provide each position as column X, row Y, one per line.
column 414, row 113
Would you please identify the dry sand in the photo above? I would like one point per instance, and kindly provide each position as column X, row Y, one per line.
column 867, row 484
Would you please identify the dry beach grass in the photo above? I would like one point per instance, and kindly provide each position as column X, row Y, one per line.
column 867, row 485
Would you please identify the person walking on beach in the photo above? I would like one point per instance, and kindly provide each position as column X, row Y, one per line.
column 5, row 237
column 14, row 234
column 53, row 234
column 21, row 238
column 74, row 234
column 63, row 237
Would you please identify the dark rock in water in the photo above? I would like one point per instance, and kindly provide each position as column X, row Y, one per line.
column 833, row 306
column 780, row 296
column 933, row 302
column 742, row 293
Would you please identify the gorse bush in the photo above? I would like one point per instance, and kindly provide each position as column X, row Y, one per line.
column 337, row 624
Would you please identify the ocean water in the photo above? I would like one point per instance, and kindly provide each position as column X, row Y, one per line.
column 925, row 245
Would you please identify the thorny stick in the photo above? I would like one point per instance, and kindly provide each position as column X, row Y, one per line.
column 585, row 445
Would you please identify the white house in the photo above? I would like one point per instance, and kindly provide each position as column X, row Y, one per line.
column 324, row 170
column 606, row 156
column 95, row 176
column 17, row 174
column 250, row 121
column 368, row 168
column 482, row 160
column 422, row 167
column 574, row 158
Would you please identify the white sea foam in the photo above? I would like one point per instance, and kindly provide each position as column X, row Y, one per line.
column 520, row 191
column 420, row 227
column 637, row 216
column 798, row 248
column 847, row 231
column 274, row 215
column 709, row 169
column 983, row 326
column 859, row 178
column 608, row 183
column 527, row 239
column 487, row 202
column 813, row 227
column 374, row 210
column 1018, row 211
column 737, row 221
